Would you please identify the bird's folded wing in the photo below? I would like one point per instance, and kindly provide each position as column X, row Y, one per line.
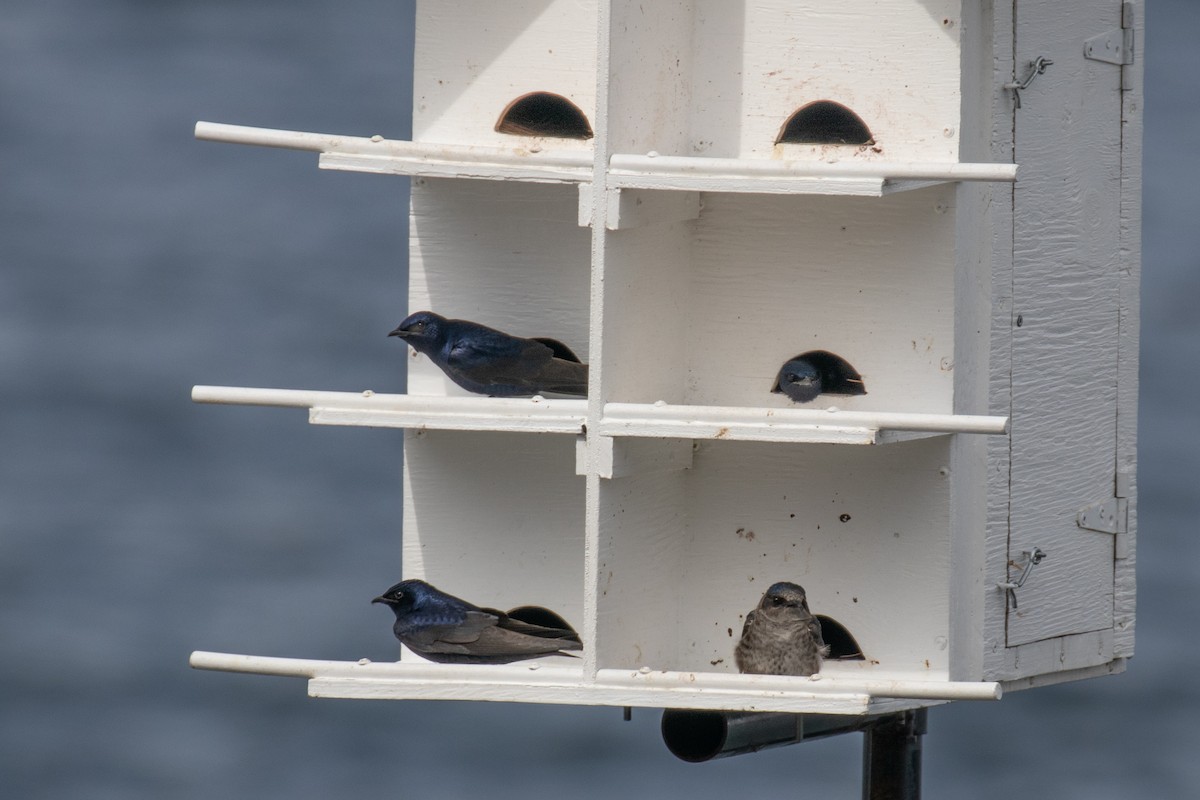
column 495, row 358
column 559, row 349
column 451, row 637
column 563, row 377
column 500, row 641
column 540, row 631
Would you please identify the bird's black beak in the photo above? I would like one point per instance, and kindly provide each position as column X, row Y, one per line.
column 382, row 599
column 399, row 332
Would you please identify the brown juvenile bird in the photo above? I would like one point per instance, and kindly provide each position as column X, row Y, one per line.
column 781, row 636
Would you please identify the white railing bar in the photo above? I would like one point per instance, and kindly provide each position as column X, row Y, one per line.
column 635, row 413
column 817, row 684
column 379, row 146
column 549, row 676
column 622, row 164
column 423, row 404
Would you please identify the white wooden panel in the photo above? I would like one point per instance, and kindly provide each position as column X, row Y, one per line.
column 510, row 256
column 473, row 57
column 1065, row 292
column 649, row 87
column 983, row 250
column 642, row 522
column 999, row 366
column 870, row 280
column 864, row 531
column 495, row 518
column 646, row 300
column 898, row 71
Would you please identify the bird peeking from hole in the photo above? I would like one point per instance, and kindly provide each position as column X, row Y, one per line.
column 487, row 361
column 449, row 630
column 781, row 636
column 817, row 372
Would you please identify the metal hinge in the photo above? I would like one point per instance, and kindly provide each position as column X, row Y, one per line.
column 1111, row 515
column 1114, row 47
column 1108, row 516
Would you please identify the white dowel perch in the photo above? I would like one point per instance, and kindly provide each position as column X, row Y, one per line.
column 379, row 146
column 525, row 414
column 619, row 686
column 627, row 165
column 378, row 154
column 628, row 418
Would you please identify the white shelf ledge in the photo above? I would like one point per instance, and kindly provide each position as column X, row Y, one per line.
column 785, row 424
column 397, row 157
column 538, row 682
column 626, row 171
column 524, row 415
column 769, row 176
column 560, row 415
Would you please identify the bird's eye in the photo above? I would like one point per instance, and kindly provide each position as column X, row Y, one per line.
column 778, row 601
column 417, row 326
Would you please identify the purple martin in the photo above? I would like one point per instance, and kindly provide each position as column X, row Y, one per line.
column 818, row 371
column 487, row 361
column 449, row 630
column 781, row 636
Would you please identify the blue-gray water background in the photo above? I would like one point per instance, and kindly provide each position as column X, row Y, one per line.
column 136, row 526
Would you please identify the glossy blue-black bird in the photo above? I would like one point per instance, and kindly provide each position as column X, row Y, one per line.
column 818, row 371
column 449, row 630
column 781, row 636
column 487, row 361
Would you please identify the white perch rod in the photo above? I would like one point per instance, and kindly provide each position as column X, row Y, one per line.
column 617, row 681
column 627, row 164
column 288, row 398
column 307, row 398
column 378, row 146
column 637, row 413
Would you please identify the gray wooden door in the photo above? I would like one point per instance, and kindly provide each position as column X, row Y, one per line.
column 1065, row 317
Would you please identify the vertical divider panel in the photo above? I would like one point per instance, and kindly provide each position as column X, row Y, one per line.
column 635, row 523
column 975, row 245
column 597, row 215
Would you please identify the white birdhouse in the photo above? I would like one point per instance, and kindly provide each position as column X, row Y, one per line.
column 691, row 193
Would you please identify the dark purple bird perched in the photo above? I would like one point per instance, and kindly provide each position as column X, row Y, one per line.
column 487, row 361
column 781, row 636
column 448, row 630
column 818, row 371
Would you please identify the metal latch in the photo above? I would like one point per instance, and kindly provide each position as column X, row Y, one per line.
column 1032, row 559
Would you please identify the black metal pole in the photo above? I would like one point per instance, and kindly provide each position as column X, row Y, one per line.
column 892, row 756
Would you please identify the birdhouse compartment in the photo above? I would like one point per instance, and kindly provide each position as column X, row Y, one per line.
column 509, row 256
column 514, row 535
column 474, row 59
column 706, row 311
column 685, row 554
column 720, row 79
